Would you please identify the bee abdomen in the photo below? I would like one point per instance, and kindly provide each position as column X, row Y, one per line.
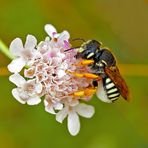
column 111, row 90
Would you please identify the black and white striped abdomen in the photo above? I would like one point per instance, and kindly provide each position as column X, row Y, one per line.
column 112, row 91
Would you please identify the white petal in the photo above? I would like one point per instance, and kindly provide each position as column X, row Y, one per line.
column 15, row 94
column 61, row 73
column 74, row 102
column 48, row 108
column 47, row 39
column 16, row 65
column 45, row 102
column 61, row 115
column 64, row 36
column 16, row 47
column 58, row 106
column 64, row 66
column 56, row 35
column 34, row 100
column 50, row 30
column 31, row 42
column 101, row 93
column 84, row 110
column 61, row 55
column 73, row 123
column 38, row 88
column 17, row 79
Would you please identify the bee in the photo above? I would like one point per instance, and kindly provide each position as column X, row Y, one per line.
column 112, row 84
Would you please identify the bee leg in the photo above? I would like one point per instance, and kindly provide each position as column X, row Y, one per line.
column 84, row 75
column 91, row 76
column 84, row 62
column 87, row 92
column 79, row 75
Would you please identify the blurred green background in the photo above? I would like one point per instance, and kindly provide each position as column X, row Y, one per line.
column 121, row 25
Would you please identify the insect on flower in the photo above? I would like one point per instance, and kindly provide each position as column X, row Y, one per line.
column 63, row 80
column 107, row 79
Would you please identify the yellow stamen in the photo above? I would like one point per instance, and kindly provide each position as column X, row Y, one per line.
column 75, row 74
column 79, row 93
column 90, row 75
column 82, row 93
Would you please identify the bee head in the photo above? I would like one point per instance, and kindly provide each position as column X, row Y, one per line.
column 88, row 49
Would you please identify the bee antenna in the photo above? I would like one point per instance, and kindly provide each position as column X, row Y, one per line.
column 71, row 48
column 75, row 39
column 78, row 39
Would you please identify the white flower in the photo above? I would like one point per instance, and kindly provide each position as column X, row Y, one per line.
column 52, row 105
column 26, row 91
column 72, row 112
column 61, row 37
column 22, row 54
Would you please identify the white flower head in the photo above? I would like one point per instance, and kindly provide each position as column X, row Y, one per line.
column 45, row 75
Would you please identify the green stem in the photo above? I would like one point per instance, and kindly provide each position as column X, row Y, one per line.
column 4, row 49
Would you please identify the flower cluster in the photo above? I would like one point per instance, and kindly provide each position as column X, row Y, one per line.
column 45, row 77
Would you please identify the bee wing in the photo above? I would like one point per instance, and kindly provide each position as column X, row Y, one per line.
column 115, row 76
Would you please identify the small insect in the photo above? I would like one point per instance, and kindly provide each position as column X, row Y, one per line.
column 112, row 85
